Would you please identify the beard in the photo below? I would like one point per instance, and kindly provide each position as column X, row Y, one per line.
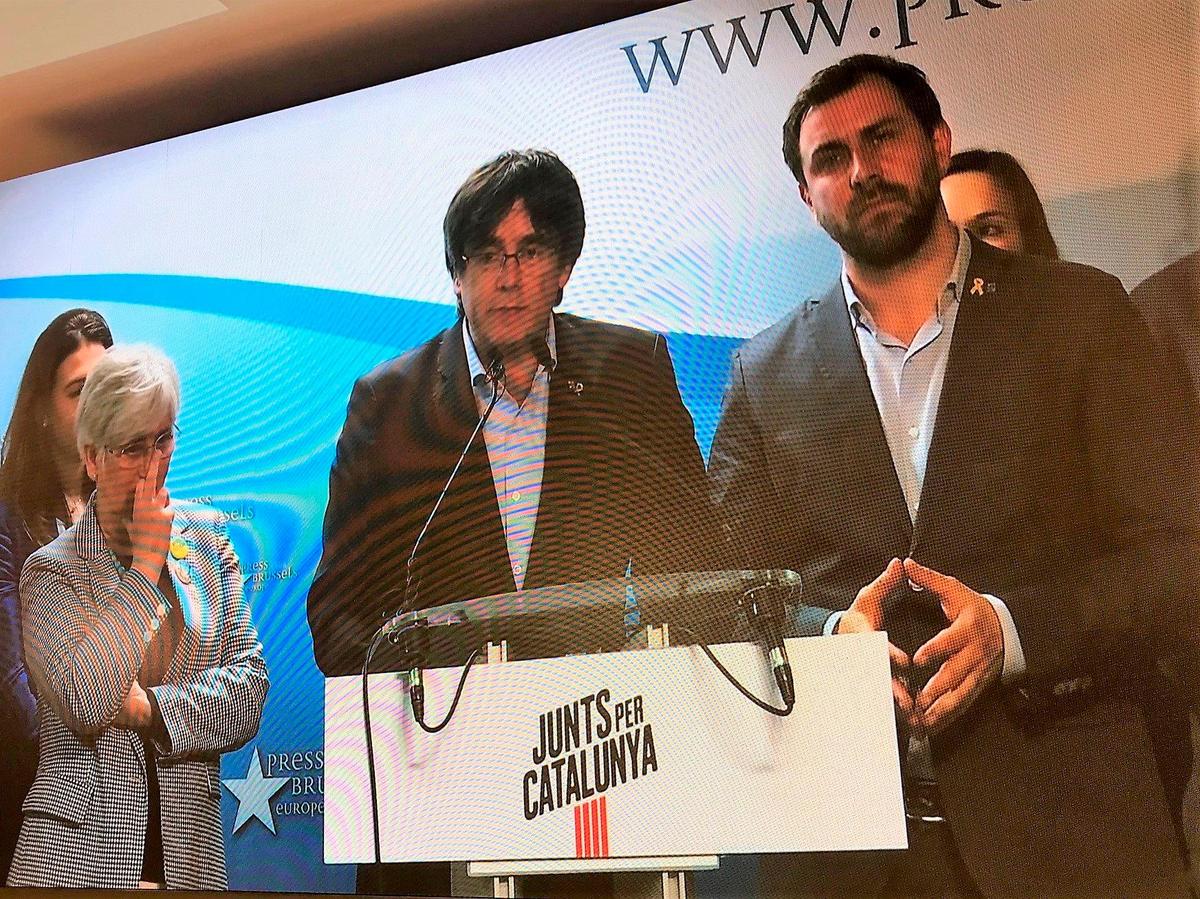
column 895, row 235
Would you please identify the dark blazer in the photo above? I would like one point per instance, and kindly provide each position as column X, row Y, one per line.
column 623, row 479
column 1062, row 478
column 1169, row 300
column 18, row 709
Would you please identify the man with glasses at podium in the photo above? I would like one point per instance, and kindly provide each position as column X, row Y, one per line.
column 585, row 465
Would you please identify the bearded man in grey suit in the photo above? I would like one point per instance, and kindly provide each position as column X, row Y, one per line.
column 987, row 455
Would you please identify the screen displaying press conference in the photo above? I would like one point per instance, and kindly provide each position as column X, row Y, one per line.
column 279, row 261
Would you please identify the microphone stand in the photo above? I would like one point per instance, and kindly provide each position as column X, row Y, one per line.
column 416, row 678
column 761, row 610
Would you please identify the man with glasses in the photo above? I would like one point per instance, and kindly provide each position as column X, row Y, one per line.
column 587, row 465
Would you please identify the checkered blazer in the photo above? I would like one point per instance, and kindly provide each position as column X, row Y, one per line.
column 87, row 624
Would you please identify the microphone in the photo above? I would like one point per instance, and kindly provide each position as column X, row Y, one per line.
column 495, row 373
column 394, row 627
column 762, row 608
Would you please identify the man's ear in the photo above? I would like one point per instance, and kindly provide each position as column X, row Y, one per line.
column 804, row 194
column 564, row 275
column 942, row 146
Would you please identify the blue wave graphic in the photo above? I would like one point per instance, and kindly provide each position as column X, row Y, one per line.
column 337, row 312
column 267, row 370
column 701, row 361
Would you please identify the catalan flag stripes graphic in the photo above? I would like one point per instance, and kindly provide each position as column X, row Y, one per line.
column 591, row 829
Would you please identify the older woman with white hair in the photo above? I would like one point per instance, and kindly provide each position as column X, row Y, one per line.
column 142, row 656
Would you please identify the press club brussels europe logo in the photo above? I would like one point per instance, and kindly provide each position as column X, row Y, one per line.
column 586, row 749
column 289, row 784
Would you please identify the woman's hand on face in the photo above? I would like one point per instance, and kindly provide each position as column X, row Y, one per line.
column 150, row 525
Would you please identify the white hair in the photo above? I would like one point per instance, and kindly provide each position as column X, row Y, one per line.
column 132, row 388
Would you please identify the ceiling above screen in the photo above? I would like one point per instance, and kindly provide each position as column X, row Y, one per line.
column 91, row 77
column 37, row 32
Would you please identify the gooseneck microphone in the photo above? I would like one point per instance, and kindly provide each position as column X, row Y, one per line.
column 761, row 603
column 399, row 624
column 394, row 627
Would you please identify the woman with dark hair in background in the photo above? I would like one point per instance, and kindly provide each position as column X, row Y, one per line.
column 43, row 489
column 988, row 193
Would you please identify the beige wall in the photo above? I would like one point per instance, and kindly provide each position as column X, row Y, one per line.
column 253, row 59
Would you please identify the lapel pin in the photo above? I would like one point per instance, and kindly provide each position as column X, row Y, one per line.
column 179, row 549
column 977, row 288
column 576, row 387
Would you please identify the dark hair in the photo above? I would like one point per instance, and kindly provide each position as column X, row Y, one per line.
column 835, row 80
column 1031, row 216
column 538, row 177
column 28, row 477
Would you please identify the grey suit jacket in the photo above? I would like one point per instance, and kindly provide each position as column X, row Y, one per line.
column 87, row 625
column 1062, row 478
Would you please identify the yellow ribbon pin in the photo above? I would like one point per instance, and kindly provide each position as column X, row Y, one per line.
column 179, row 549
column 977, row 288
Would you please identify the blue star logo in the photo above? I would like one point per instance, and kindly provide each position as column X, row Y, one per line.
column 254, row 793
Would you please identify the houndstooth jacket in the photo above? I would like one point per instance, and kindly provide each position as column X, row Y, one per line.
column 87, row 624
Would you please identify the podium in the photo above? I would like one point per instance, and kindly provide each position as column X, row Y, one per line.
column 642, row 759
column 587, row 616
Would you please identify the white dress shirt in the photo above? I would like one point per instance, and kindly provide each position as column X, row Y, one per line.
column 515, row 435
column 906, row 382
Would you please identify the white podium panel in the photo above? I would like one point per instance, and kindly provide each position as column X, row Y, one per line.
column 620, row 755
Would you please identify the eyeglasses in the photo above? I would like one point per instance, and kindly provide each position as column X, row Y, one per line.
column 136, row 452
column 493, row 261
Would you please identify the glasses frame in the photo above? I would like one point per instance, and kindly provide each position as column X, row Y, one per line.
column 134, row 453
column 493, row 262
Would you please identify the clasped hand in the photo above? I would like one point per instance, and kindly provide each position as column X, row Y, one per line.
column 135, row 713
column 969, row 651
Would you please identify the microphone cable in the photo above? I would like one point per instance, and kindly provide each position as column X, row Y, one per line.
column 366, row 703
column 416, row 684
column 741, row 688
column 370, row 741
column 462, row 681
